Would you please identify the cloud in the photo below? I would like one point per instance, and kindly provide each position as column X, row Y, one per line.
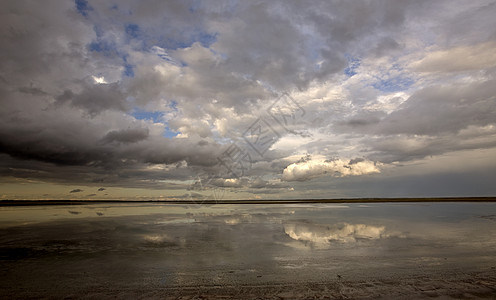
column 258, row 183
column 306, row 170
column 444, row 108
column 101, row 189
column 126, row 135
column 229, row 182
column 76, row 191
column 95, row 98
column 475, row 57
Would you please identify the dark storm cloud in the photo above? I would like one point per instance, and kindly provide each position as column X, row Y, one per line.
column 134, row 175
column 126, row 135
column 47, row 148
column 32, row 91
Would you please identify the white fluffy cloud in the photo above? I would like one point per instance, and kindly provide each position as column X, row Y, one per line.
column 306, row 170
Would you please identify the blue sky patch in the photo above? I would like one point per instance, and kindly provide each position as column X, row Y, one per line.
column 155, row 116
column 353, row 64
column 132, row 30
column 104, row 47
column 168, row 133
column 206, row 39
column 175, row 44
column 128, row 68
column 394, row 84
column 83, row 7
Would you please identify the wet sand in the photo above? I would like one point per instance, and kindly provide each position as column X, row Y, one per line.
column 287, row 251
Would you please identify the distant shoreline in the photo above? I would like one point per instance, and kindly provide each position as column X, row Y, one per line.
column 212, row 202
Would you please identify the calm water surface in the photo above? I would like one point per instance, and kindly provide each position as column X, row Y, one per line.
column 68, row 250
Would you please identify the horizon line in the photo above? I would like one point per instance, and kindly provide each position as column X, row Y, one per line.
column 12, row 202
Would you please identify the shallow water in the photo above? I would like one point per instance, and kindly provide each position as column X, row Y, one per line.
column 280, row 251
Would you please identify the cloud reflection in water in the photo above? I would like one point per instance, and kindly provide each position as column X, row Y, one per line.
column 322, row 235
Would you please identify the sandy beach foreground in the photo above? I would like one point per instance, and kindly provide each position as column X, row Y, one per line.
column 479, row 285
column 287, row 251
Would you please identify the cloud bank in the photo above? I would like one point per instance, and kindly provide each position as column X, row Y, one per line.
column 307, row 170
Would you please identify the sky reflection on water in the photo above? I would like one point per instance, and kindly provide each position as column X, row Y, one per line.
column 177, row 245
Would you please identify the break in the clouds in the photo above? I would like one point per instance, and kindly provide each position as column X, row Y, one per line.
column 162, row 99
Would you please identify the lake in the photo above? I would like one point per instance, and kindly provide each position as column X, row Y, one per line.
column 270, row 251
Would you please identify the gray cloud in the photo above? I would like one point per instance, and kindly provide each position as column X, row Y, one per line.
column 476, row 57
column 126, row 135
column 95, row 98
column 439, row 109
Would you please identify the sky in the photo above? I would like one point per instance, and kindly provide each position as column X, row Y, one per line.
column 192, row 100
